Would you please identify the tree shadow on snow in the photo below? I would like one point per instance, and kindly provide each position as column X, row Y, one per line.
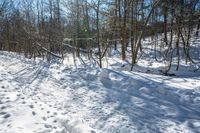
column 148, row 105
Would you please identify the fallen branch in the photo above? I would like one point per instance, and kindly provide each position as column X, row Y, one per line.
column 45, row 49
column 70, row 46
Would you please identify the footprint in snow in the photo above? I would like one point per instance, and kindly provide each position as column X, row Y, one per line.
column 193, row 83
column 33, row 113
column 44, row 118
column 47, row 126
column 31, row 106
column 6, row 116
column 3, row 107
column 54, row 113
column 2, row 113
column 16, row 88
column 9, row 125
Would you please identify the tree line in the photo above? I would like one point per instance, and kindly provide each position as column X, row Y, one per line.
column 42, row 27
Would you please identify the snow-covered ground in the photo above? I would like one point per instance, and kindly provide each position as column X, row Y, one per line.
column 37, row 97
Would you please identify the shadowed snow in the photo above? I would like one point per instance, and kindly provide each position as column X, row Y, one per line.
column 53, row 98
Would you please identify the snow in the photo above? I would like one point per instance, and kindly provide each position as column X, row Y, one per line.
column 41, row 97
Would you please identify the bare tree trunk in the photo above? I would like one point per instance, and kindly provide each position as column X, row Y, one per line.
column 123, row 45
column 198, row 28
column 98, row 34
column 165, row 22
column 77, row 29
column 115, row 25
column 170, row 49
column 142, row 32
column 185, row 48
column 177, row 49
column 132, row 33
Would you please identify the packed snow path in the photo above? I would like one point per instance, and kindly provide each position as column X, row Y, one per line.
column 37, row 97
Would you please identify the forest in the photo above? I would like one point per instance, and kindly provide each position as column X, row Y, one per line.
column 48, row 28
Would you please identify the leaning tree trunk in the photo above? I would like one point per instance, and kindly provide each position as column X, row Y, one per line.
column 98, row 34
column 138, row 43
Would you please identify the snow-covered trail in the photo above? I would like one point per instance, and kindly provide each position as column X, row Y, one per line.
column 52, row 98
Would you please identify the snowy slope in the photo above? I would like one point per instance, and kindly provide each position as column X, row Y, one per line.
column 54, row 98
